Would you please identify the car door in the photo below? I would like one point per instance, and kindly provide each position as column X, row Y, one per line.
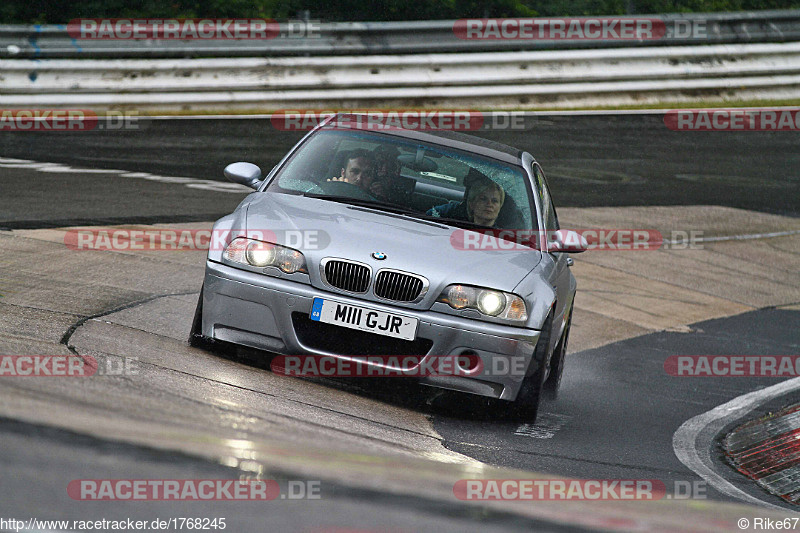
column 560, row 279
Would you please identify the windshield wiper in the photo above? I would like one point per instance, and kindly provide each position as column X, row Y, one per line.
column 460, row 222
column 394, row 208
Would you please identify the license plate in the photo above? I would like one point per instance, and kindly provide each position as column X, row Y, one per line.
column 364, row 319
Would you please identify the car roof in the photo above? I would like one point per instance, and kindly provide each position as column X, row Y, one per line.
column 450, row 139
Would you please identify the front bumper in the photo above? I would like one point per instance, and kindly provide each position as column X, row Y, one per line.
column 271, row 314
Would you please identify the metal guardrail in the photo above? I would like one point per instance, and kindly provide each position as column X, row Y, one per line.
column 558, row 78
column 380, row 38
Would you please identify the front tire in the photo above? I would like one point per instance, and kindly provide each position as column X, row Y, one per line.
column 526, row 406
column 553, row 382
column 196, row 338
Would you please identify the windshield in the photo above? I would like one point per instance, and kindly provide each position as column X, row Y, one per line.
column 399, row 175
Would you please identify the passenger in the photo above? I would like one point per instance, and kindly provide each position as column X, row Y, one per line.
column 482, row 205
column 387, row 170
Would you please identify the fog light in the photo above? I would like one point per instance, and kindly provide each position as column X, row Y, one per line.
column 468, row 361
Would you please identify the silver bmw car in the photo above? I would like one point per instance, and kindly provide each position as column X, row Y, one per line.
column 398, row 249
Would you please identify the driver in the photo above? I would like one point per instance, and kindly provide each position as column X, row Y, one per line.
column 359, row 170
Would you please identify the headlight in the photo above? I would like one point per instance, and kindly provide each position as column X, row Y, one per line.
column 263, row 254
column 260, row 254
column 491, row 302
column 487, row 301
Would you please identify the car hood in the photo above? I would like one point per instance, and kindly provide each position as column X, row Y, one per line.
column 321, row 228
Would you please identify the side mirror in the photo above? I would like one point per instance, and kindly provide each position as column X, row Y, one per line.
column 565, row 240
column 246, row 174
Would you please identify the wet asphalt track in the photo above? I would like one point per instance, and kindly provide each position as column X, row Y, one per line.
column 618, row 408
